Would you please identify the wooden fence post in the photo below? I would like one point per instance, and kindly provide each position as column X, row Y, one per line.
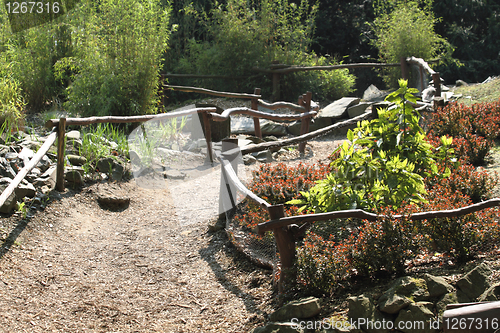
column 285, row 242
column 405, row 74
column 61, row 136
column 256, row 120
column 304, row 127
column 225, row 190
column 208, row 135
column 436, row 79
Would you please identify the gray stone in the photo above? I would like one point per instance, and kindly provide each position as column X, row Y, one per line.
column 474, row 283
column 118, row 172
column 76, row 160
column 277, row 328
column 5, row 180
column 245, row 125
column 338, row 109
column 437, row 285
column 249, row 159
column 73, row 135
column 491, row 294
column 462, row 297
column 413, row 288
column 303, row 308
column 316, row 123
column 372, row 93
column 105, row 164
column 74, row 176
column 174, row 174
column 362, row 307
column 26, row 155
column 449, row 298
column 416, row 314
column 460, row 83
column 264, row 156
column 44, row 163
column 357, row 110
column 25, row 191
column 392, row 303
column 11, row 156
column 113, row 202
column 10, row 204
column 74, row 144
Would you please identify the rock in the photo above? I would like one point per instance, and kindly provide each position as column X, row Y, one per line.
column 73, row 135
column 449, row 298
column 277, row 328
column 437, row 286
column 381, row 105
column 418, row 317
column 113, row 202
column 10, row 204
column 105, row 165
column 412, row 288
column 26, row 155
column 118, row 172
column 5, row 181
column 174, row 174
column 73, row 144
column 245, row 125
column 362, row 308
column 44, row 163
column 74, row 176
column 357, row 110
column 25, row 191
column 474, row 283
column 460, row 83
column 11, row 156
column 76, row 160
column 249, row 159
column 48, row 178
column 372, row 93
column 264, row 156
column 462, row 297
column 338, row 109
column 300, row 309
column 392, row 303
column 316, row 123
column 491, row 294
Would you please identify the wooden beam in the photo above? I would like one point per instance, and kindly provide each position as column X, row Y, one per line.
column 210, row 92
column 127, row 119
column 292, row 69
column 61, row 144
column 243, row 110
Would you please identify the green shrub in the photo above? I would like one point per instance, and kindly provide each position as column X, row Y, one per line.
column 404, row 29
column 246, row 36
column 121, row 45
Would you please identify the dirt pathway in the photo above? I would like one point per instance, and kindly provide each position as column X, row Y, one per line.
column 77, row 267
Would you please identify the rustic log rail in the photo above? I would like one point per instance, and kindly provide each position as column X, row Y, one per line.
column 28, row 167
column 63, row 122
column 305, row 105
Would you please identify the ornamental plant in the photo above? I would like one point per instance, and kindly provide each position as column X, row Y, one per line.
column 383, row 163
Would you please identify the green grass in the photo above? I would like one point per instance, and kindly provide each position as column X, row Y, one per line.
column 479, row 93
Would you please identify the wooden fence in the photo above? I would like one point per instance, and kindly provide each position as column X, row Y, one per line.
column 276, row 70
column 287, row 229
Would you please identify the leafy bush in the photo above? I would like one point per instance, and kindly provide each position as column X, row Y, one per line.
column 121, row 45
column 404, row 29
column 383, row 164
column 11, row 102
column 254, row 35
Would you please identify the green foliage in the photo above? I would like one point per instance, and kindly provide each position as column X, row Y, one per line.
column 118, row 58
column 246, row 35
column 384, row 164
column 404, row 29
column 11, row 101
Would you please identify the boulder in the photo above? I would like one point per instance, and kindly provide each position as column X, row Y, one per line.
column 392, row 303
column 362, row 308
column 372, row 93
column 249, row 159
column 412, row 288
column 74, row 176
column 174, row 174
column 105, row 164
column 264, row 156
column 415, row 319
column 75, row 135
column 357, row 110
column 10, row 204
column 474, row 283
column 26, row 155
column 299, row 309
column 491, row 294
column 113, row 202
column 76, row 160
column 338, row 109
column 25, row 190
column 437, row 285
column 449, row 298
column 245, row 125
